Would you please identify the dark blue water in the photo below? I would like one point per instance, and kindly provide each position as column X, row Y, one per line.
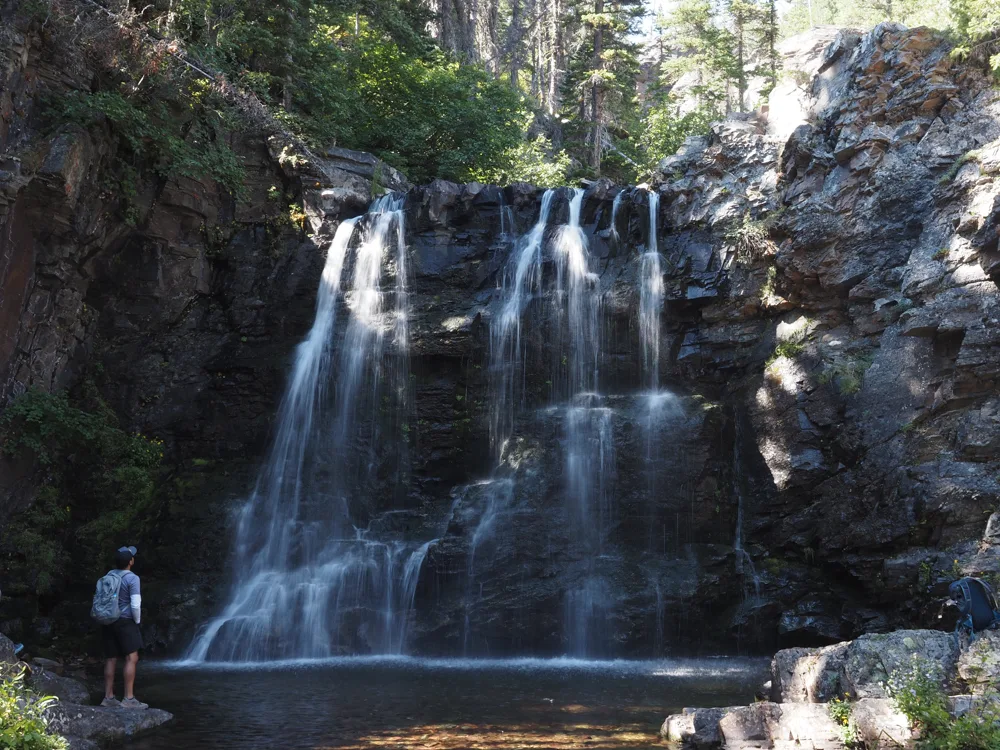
column 405, row 703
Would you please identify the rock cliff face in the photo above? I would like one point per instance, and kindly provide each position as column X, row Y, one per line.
column 828, row 335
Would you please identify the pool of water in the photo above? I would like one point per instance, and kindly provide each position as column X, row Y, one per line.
column 361, row 703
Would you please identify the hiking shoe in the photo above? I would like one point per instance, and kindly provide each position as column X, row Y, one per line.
column 134, row 703
column 111, row 703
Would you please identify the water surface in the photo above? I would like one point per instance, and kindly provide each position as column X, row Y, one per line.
column 398, row 702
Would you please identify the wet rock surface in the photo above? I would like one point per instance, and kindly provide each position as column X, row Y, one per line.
column 829, row 334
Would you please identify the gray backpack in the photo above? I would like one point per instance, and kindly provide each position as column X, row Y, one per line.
column 105, row 607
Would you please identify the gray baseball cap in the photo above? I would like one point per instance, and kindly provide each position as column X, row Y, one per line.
column 130, row 550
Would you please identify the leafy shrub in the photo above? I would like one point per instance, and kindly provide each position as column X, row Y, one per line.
column 919, row 695
column 531, row 161
column 665, row 130
column 97, row 479
column 188, row 145
column 22, row 720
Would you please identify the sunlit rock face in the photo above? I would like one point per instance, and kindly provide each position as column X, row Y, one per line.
column 790, row 439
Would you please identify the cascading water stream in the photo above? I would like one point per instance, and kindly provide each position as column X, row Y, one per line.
column 309, row 582
column 615, row 207
column 520, row 282
column 589, row 443
column 651, row 293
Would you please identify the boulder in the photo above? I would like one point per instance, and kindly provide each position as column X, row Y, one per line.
column 695, row 727
column 45, row 682
column 102, row 725
column 7, row 655
column 979, row 664
column 879, row 723
column 761, row 725
column 807, row 675
column 872, row 659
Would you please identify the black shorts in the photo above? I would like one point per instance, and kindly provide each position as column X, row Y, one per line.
column 120, row 638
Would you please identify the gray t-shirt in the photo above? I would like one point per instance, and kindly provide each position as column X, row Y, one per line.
column 129, row 588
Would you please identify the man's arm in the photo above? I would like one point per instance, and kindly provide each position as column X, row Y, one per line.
column 135, row 599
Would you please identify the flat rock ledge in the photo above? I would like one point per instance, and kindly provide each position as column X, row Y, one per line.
column 90, row 727
column 805, row 680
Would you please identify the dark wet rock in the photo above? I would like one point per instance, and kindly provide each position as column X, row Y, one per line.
column 104, row 726
column 66, row 689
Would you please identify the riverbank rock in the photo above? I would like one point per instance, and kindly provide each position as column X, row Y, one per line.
column 871, row 660
column 66, row 689
column 761, row 725
column 979, row 665
column 806, row 681
column 104, row 726
column 7, row 653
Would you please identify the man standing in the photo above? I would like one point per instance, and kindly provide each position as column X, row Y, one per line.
column 122, row 638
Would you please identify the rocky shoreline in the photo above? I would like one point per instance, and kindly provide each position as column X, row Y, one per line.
column 836, row 697
column 85, row 726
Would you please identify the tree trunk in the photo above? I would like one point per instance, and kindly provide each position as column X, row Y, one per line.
column 741, row 74
column 514, row 40
column 595, row 88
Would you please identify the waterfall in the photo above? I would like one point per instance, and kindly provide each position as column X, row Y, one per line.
column 310, row 578
column 521, row 279
column 589, row 442
column 615, row 206
column 576, row 287
column 745, row 568
column 651, row 299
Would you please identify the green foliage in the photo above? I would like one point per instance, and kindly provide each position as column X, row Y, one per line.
column 665, row 129
column 529, row 161
column 959, row 163
column 790, row 347
column 22, row 721
column 840, row 712
column 768, row 289
column 97, row 479
column 846, row 373
column 172, row 144
column 432, row 118
column 752, row 237
column 919, row 695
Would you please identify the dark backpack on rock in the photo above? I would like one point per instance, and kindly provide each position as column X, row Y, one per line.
column 977, row 606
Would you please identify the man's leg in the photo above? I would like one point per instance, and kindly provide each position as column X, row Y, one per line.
column 130, row 661
column 109, row 677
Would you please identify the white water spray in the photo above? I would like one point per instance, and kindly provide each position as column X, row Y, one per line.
column 651, row 293
column 309, row 582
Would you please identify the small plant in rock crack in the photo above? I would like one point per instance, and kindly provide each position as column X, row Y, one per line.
column 790, row 347
column 952, row 173
column 840, row 712
column 847, row 373
column 751, row 237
